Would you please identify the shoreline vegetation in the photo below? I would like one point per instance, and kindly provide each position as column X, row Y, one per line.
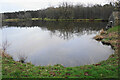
column 104, row 69
column 47, row 19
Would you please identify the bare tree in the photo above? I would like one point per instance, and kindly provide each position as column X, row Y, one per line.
column 27, row 15
column 22, row 57
column 5, row 45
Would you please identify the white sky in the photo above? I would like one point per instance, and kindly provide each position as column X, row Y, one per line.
column 20, row 5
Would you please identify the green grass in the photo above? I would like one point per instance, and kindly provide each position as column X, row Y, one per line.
column 112, row 37
column 47, row 19
column 104, row 69
column 114, row 29
column 13, row 20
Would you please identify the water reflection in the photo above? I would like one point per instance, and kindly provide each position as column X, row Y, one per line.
column 67, row 43
column 65, row 30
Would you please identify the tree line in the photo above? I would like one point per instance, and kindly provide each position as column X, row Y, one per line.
column 66, row 11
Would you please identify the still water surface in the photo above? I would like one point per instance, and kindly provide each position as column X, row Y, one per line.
column 50, row 43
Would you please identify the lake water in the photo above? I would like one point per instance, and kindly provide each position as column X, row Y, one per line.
column 50, row 43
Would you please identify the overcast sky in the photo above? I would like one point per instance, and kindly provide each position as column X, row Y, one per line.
column 20, row 5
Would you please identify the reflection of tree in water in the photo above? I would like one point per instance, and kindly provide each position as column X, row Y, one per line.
column 65, row 30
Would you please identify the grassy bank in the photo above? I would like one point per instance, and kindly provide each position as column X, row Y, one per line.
column 104, row 69
column 47, row 19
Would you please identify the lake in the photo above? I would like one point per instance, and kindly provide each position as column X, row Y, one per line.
column 49, row 43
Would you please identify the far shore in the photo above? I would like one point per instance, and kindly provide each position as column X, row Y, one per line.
column 46, row 19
